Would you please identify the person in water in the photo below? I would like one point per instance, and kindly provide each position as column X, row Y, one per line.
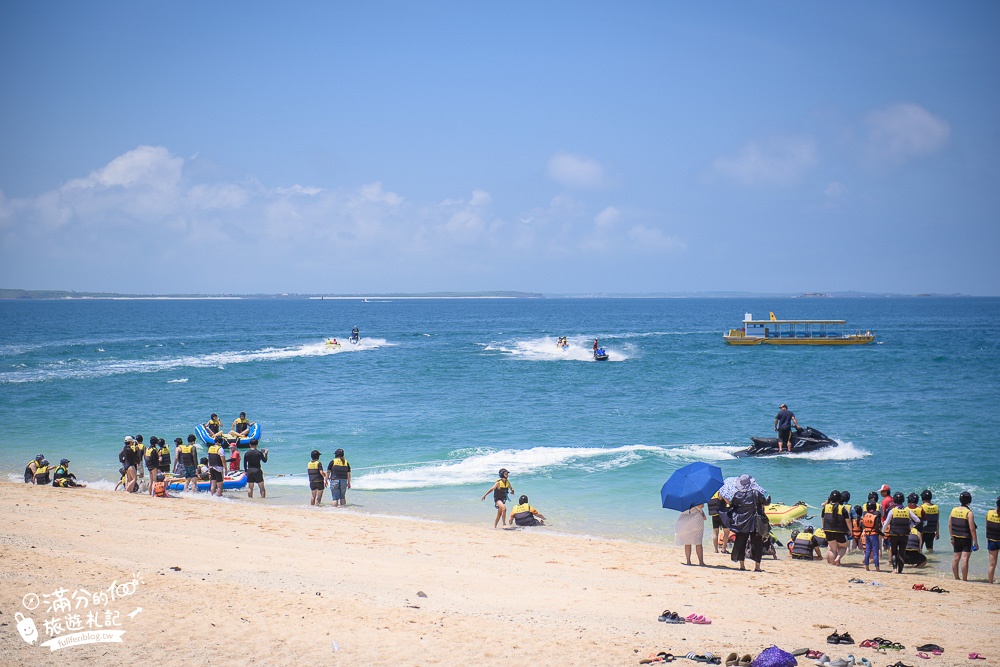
column 217, row 465
column 213, row 425
column 339, row 474
column 783, row 422
column 932, row 520
column 912, row 555
column 993, row 538
column 595, row 345
column 29, row 470
column 204, row 471
column 187, row 456
column 140, row 457
column 317, row 478
column 241, row 426
column 234, row 458
column 962, row 528
column 501, row 489
column 523, row 514
column 63, row 478
column 252, row 466
column 837, row 525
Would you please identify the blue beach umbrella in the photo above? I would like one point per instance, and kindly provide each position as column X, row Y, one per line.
column 694, row 484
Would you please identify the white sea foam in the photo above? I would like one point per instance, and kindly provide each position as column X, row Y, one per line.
column 545, row 349
column 177, row 381
column 480, row 465
column 844, row 451
column 83, row 368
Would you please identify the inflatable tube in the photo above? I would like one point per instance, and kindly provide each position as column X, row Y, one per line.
column 236, row 480
column 782, row 515
column 242, row 443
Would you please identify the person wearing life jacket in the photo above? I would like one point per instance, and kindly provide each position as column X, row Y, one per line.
column 234, row 458
column 501, row 489
column 837, row 525
column 63, row 478
column 962, row 528
column 912, row 555
column 159, row 487
column 871, row 533
column 317, row 478
column 805, row 546
column 241, row 426
column 42, row 473
column 213, row 425
column 187, row 457
column 165, row 455
column 338, row 472
column 139, row 455
column 29, row 470
column 217, row 465
column 715, row 505
column 152, row 460
column 932, row 525
column 993, row 538
column 897, row 527
column 857, row 539
column 128, row 460
column 204, row 472
column 523, row 514
column 912, row 504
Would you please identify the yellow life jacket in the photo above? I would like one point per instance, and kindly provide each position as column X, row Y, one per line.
column 993, row 526
column 959, row 522
column 187, row 454
column 931, row 517
column 42, row 474
column 315, row 470
column 215, row 455
column 913, row 541
column 899, row 521
column 835, row 518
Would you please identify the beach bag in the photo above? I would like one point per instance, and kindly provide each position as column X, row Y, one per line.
column 763, row 525
column 774, row 657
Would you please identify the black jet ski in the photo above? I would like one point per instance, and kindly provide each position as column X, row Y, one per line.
column 805, row 439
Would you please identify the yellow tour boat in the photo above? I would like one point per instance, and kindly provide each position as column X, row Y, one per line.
column 795, row 332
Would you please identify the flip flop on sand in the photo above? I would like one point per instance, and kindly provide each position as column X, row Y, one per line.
column 800, row 651
column 931, row 648
column 674, row 618
column 919, row 587
column 976, row 656
column 937, row 589
column 664, row 616
column 732, row 660
column 746, row 660
column 921, row 654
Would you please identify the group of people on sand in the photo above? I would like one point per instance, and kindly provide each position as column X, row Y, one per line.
column 903, row 525
column 522, row 514
column 336, row 475
column 39, row 471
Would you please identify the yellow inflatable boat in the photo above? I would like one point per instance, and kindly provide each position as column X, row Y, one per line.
column 782, row 515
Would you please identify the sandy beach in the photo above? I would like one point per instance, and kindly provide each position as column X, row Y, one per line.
column 222, row 582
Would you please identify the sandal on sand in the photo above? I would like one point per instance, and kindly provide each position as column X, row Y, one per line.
column 921, row 654
column 976, row 656
column 833, row 639
column 746, row 660
column 702, row 620
column 664, row 616
column 846, row 638
column 930, row 648
column 919, row 587
column 855, row 580
column 800, row 651
column 707, row 658
column 937, row 589
column 814, row 655
column 732, row 660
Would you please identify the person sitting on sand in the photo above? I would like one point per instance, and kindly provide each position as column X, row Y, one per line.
column 523, row 514
column 42, row 473
column 204, row 471
column 912, row 555
column 501, row 489
column 159, row 487
column 63, row 478
column 317, row 478
column 804, row 545
column 690, row 530
column 213, row 425
column 241, row 426
column 252, row 466
column 29, row 470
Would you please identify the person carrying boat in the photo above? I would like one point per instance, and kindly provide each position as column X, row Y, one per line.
column 29, row 470
column 317, row 478
column 932, row 520
column 523, row 514
column 252, row 467
column 501, row 489
column 63, row 478
column 783, row 422
column 241, row 426
column 962, row 527
column 213, row 425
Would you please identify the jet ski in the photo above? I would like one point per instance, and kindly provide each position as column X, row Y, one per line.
column 805, row 439
column 601, row 355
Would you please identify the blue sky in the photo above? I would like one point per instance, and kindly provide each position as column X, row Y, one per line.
column 167, row 147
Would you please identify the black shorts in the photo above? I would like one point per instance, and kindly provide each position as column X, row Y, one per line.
column 962, row 544
column 839, row 538
column 255, row 475
column 216, row 475
column 316, row 486
column 716, row 521
column 784, row 436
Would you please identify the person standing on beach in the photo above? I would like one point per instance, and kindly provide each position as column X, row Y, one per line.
column 962, row 528
column 871, row 531
column 746, row 505
column 837, row 525
column 715, row 505
column 501, row 489
column 317, row 478
column 164, row 453
column 993, row 538
column 127, row 458
column 339, row 474
column 187, row 456
column 217, row 465
column 897, row 528
column 783, row 422
column 932, row 524
column 234, row 458
column 251, row 465
column 152, row 461
column 690, row 530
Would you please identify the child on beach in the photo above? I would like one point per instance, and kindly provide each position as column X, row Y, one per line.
column 317, row 478
column 501, row 489
column 871, row 532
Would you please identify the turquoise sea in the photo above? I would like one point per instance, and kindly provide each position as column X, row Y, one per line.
column 441, row 393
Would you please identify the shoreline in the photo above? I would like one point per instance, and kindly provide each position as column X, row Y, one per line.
column 409, row 592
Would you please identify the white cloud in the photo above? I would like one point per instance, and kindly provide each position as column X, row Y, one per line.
column 652, row 238
column 608, row 217
column 903, row 131
column 150, row 166
column 780, row 162
column 576, row 171
column 835, row 190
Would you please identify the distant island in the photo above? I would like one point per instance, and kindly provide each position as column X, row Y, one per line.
column 22, row 294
